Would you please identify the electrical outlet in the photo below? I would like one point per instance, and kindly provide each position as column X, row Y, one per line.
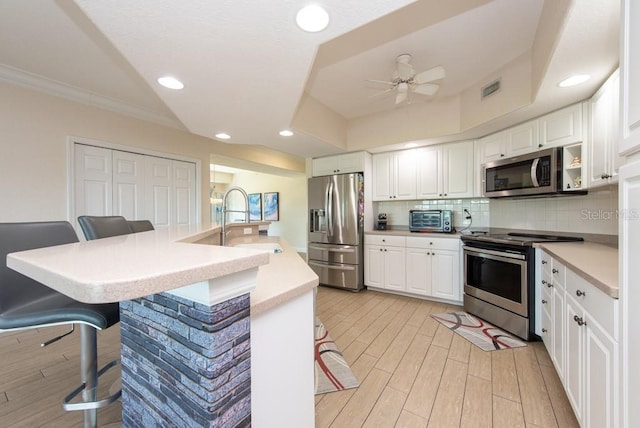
column 247, row 231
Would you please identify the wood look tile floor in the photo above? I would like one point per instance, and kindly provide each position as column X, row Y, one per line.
column 413, row 372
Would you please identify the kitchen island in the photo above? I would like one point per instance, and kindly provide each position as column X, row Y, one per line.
column 194, row 349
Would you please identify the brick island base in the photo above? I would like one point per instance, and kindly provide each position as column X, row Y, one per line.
column 185, row 363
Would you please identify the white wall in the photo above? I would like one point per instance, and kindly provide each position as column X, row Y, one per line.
column 292, row 204
column 34, row 130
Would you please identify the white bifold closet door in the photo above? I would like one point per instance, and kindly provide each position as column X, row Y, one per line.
column 135, row 186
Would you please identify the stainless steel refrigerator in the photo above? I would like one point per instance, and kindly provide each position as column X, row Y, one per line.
column 336, row 219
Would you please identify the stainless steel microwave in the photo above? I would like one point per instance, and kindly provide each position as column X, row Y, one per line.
column 533, row 174
column 431, row 221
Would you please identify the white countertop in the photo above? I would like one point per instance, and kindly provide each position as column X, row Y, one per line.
column 596, row 263
column 285, row 277
column 131, row 266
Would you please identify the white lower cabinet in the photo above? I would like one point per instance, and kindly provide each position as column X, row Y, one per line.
column 433, row 266
column 579, row 332
column 424, row 266
column 384, row 261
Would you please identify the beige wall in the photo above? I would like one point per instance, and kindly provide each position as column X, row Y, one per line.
column 34, row 131
column 292, row 205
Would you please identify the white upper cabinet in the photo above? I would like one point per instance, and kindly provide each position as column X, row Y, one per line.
column 493, row 147
column 604, row 133
column 339, row 164
column 630, row 78
column 523, row 138
column 429, row 172
column 555, row 129
column 561, row 127
column 458, row 170
column 446, row 171
column 394, row 175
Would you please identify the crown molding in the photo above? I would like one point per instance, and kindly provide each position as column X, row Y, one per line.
column 39, row 83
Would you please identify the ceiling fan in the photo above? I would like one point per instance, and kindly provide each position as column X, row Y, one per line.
column 405, row 80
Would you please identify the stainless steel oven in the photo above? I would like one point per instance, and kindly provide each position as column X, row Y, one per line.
column 499, row 279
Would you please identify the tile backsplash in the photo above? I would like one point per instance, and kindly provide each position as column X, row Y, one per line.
column 594, row 213
column 398, row 211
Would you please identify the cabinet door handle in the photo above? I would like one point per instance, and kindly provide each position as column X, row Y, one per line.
column 544, row 262
column 554, row 270
column 548, row 284
column 580, row 293
column 540, row 146
column 501, row 155
column 544, row 302
column 544, row 330
column 579, row 320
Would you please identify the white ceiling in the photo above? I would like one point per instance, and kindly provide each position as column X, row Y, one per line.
column 246, row 65
column 507, row 28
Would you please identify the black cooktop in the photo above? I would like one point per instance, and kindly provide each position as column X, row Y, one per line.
column 520, row 239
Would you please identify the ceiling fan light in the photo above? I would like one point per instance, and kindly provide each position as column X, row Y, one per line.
column 403, row 87
column 574, row 80
column 223, row 136
column 286, row 133
column 312, row 18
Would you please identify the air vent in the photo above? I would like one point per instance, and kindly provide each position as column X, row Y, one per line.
column 490, row 89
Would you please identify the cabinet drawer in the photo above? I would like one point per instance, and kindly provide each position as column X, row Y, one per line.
column 558, row 273
column 388, row 240
column 452, row 244
column 547, row 294
column 545, row 261
column 599, row 307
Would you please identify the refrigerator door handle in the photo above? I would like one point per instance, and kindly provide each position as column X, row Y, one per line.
column 334, row 267
column 329, row 209
column 333, row 249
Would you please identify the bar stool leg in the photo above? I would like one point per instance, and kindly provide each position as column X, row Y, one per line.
column 89, row 372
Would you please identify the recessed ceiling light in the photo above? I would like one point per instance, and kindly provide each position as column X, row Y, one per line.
column 170, row 82
column 574, row 80
column 410, row 145
column 286, row 133
column 223, row 136
column 312, row 18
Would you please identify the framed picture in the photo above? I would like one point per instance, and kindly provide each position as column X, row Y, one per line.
column 255, row 207
column 271, row 206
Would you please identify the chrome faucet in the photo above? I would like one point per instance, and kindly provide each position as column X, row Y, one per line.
column 225, row 211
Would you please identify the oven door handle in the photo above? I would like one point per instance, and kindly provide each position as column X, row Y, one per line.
column 484, row 252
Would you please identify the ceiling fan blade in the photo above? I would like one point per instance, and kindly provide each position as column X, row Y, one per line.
column 386, row 91
column 435, row 73
column 401, row 97
column 426, row 88
column 384, row 82
column 405, row 71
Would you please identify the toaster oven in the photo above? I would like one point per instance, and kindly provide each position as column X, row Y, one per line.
column 431, row 221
